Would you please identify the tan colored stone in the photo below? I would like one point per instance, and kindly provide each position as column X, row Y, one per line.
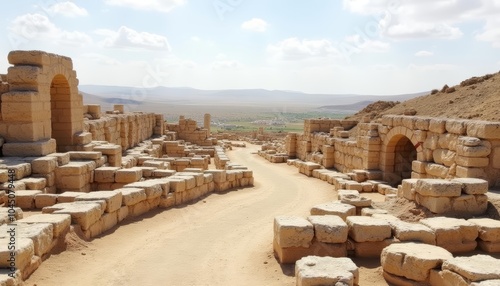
column 60, row 222
column 472, row 186
column 113, row 199
column 489, row 229
column 370, row 249
column 483, row 129
column 105, row 174
column 44, row 200
column 314, row 270
column 413, row 260
column 329, row 228
column 129, row 175
column 152, row 188
column 40, row 233
column 472, row 161
column 23, row 254
column 292, row 231
column 368, row 229
column 405, row 231
column 82, row 214
column 334, row 208
column 474, row 268
column 455, row 235
column 438, row 188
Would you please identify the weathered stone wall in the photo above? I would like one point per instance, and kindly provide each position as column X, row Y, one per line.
column 188, row 130
column 403, row 147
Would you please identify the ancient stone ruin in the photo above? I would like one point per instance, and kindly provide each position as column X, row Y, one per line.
column 86, row 169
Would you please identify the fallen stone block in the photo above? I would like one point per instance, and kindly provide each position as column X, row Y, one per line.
column 25, row 199
column 413, row 260
column 329, row 228
column 314, row 270
column 40, row 233
column 368, row 229
column 472, row 186
column 292, row 231
column 334, row 208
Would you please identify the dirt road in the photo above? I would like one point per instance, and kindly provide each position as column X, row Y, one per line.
column 224, row 239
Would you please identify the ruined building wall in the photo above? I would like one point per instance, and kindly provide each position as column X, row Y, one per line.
column 188, row 130
column 403, row 147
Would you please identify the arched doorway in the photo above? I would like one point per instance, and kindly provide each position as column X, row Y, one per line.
column 61, row 113
column 404, row 154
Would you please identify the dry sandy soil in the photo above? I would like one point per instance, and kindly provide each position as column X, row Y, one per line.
column 224, row 239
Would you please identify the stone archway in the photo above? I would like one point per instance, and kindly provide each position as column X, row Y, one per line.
column 399, row 150
column 43, row 109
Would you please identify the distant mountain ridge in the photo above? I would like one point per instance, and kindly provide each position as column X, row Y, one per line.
column 250, row 97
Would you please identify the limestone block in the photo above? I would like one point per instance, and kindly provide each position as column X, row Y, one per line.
column 138, row 209
column 469, row 172
column 109, row 220
column 122, row 213
column 105, row 174
column 489, row 229
column 37, row 58
column 490, row 247
column 40, row 233
column 23, row 254
column 219, row 176
column 60, row 222
column 438, row 188
column 474, row 268
column 392, row 279
column 455, row 235
column 113, row 199
column 315, row 270
column 472, row 186
column 469, row 141
column 290, row 231
column 34, row 183
column 437, row 170
column 413, row 260
column 334, row 208
column 456, row 126
column 478, row 151
column 444, row 156
column 44, row 200
column 405, row 231
column 84, row 155
column 178, row 185
column 190, row 181
column 368, row 229
column 371, row 211
column 84, row 215
column 492, row 282
column 68, row 197
column 62, row 158
column 483, row 129
column 26, row 199
column 495, row 158
column 44, row 165
column 418, row 166
column 469, row 205
column 75, row 168
column 472, row 161
column 129, row 175
column 437, row 205
column 152, row 188
column 408, row 188
column 437, row 125
column 370, row 249
column 329, row 228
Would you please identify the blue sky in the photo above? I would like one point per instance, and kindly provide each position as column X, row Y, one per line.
column 321, row 46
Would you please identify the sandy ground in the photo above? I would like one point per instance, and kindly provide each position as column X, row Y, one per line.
column 223, row 239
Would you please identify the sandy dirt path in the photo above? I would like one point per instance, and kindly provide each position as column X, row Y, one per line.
column 224, row 239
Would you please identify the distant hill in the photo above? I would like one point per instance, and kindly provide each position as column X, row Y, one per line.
column 474, row 98
column 237, row 97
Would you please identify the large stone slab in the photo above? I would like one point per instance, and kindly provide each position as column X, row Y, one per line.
column 113, row 199
column 23, row 253
column 472, row 186
column 152, row 188
column 489, row 229
column 438, row 188
column 405, row 231
column 329, row 228
column 60, row 222
column 40, row 233
column 290, row 231
column 474, row 268
column 314, row 270
column 455, row 235
column 413, row 260
column 83, row 214
column 368, row 229
column 132, row 196
column 334, row 208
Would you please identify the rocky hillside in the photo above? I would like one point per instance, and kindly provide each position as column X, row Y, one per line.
column 475, row 98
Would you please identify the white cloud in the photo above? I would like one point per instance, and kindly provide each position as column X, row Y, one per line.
column 367, row 45
column 154, row 5
column 432, row 67
column 296, row 49
column 39, row 27
column 129, row 38
column 255, row 25
column 491, row 33
column 68, row 9
column 424, row 54
column 225, row 64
